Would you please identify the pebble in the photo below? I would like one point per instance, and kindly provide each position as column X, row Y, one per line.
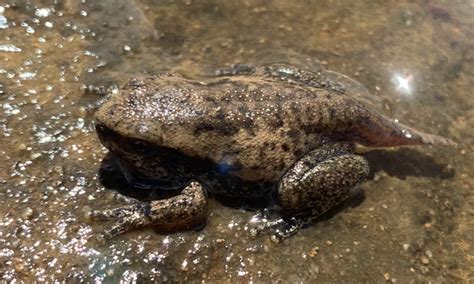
column 19, row 265
column 27, row 214
column 21, row 147
column 59, row 170
column 313, row 252
column 87, row 212
column 425, row 260
column 35, row 156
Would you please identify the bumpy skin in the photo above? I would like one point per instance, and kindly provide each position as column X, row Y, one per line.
column 249, row 132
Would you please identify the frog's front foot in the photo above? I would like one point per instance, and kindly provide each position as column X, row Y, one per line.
column 184, row 211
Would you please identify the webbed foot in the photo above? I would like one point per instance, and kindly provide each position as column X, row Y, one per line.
column 183, row 211
column 126, row 218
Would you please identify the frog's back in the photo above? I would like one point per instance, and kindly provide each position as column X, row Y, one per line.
column 246, row 123
column 255, row 126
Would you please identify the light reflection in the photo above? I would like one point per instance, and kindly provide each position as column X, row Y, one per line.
column 3, row 20
column 9, row 48
column 43, row 12
column 403, row 84
column 27, row 75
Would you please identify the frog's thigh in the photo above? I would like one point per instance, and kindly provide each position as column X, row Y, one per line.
column 317, row 187
column 183, row 211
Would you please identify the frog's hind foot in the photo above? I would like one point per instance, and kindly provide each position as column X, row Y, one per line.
column 110, row 214
column 126, row 218
column 183, row 211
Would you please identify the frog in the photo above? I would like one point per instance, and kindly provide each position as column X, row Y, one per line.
column 276, row 131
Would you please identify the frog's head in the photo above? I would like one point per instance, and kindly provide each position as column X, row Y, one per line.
column 119, row 126
column 139, row 160
column 125, row 122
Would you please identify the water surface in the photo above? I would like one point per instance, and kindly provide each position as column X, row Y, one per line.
column 412, row 221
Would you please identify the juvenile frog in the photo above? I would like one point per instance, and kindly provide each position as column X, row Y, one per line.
column 274, row 131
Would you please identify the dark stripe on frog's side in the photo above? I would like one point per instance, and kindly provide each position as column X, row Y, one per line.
column 218, row 128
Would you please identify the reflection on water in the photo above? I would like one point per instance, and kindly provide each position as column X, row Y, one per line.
column 403, row 84
column 415, row 57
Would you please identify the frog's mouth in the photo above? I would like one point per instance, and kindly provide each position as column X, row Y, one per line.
column 120, row 145
column 112, row 140
column 137, row 159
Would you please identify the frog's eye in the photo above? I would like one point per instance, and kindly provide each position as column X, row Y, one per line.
column 142, row 147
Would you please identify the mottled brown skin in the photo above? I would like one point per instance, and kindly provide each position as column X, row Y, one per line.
column 250, row 132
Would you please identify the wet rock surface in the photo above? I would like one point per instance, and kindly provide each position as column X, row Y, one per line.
column 412, row 221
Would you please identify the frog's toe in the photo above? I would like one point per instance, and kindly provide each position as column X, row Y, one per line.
column 125, row 224
column 280, row 228
column 116, row 213
column 126, row 199
column 264, row 226
column 126, row 218
column 184, row 211
column 287, row 229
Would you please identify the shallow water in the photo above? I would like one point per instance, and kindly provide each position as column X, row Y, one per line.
column 412, row 221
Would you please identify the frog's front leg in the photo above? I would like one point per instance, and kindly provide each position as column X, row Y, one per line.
column 316, row 183
column 180, row 212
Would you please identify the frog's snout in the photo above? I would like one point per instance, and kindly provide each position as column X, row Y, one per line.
column 105, row 134
column 102, row 129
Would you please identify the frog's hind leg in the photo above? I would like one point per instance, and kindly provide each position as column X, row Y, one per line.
column 183, row 211
column 316, row 183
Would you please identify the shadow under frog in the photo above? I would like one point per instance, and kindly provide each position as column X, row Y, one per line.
column 415, row 164
column 274, row 132
column 405, row 162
